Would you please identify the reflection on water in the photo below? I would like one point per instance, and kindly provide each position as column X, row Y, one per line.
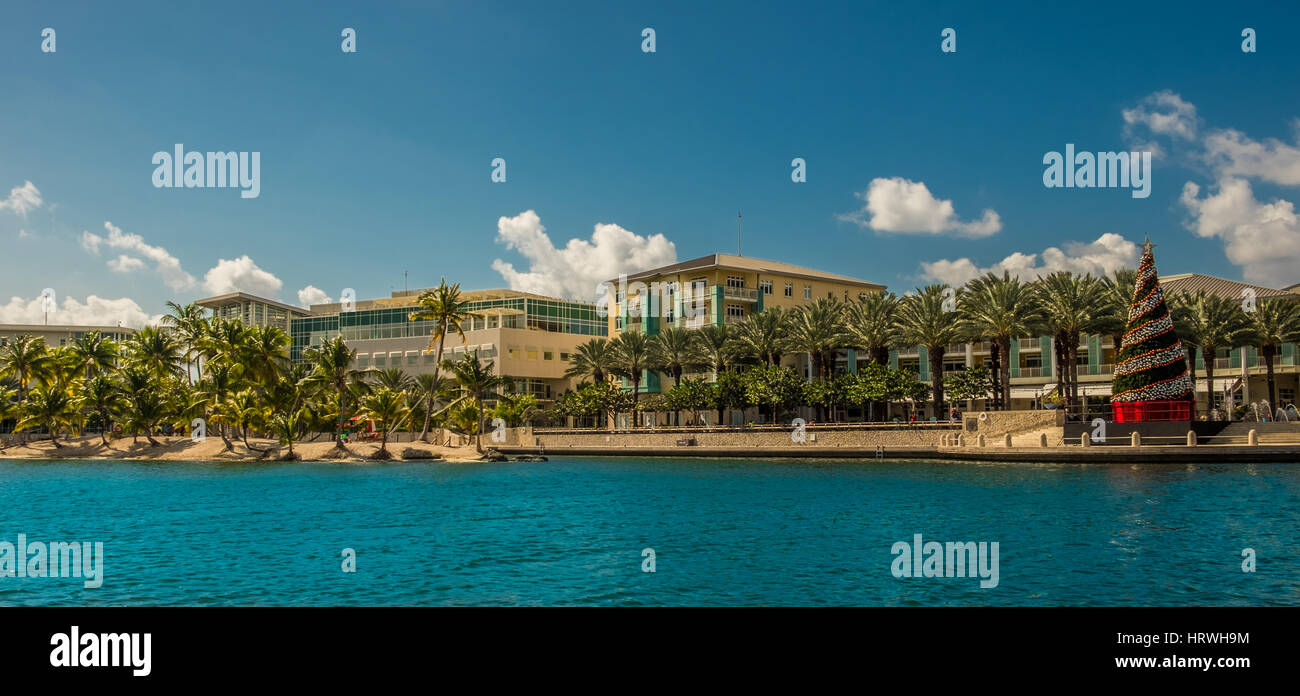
column 571, row 531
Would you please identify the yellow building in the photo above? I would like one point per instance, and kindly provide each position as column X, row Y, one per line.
column 720, row 289
column 527, row 337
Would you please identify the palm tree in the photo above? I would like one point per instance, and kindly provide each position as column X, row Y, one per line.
column 594, row 358
column 715, row 347
column 1211, row 323
column 223, row 379
column 94, row 352
column 1273, row 323
column 761, row 336
column 265, row 352
column 156, row 350
column 1117, row 294
column 631, row 358
column 100, row 396
column 1073, row 305
column 24, row 358
column 672, row 351
column 332, row 369
column 191, row 325
column 817, row 329
column 428, row 382
column 286, row 425
column 443, row 306
column 924, row 319
column 1001, row 309
column 479, row 383
column 395, row 378
column 245, row 411
column 49, row 406
column 388, row 408
column 871, row 325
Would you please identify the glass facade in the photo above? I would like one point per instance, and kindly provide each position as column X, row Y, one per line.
column 547, row 315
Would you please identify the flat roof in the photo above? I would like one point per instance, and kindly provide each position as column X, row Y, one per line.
column 748, row 263
column 64, row 327
column 400, row 299
column 220, row 300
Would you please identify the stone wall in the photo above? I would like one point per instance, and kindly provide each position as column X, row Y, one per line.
column 902, row 436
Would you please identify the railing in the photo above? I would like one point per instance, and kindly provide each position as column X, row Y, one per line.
column 1223, row 363
column 747, row 294
column 1105, row 368
column 765, row 427
column 1031, row 372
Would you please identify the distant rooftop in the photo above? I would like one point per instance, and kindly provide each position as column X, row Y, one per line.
column 5, row 328
column 408, row 298
column 1191, row 283
column 748, row 263
column 221, row 300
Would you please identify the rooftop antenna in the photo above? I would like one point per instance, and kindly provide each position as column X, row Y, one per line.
column 738, row 235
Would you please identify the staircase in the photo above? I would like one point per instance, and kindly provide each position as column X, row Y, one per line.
column 1271, row 433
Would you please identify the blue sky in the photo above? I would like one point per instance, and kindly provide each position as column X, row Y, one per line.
column 378, row 162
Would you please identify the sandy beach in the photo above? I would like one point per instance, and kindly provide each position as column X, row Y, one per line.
column 213, row 449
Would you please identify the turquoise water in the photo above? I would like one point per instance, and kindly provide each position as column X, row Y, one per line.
column 724, row 532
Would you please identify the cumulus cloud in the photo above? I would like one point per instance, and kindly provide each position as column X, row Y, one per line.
column 22, row 199
column 168, row 266
column 1110, row 252
column 1162, row 113
column 312, row 295
column 899, row 205
column 95, row 311
column 575, row 270
column 1262, row 238
column 240, row 275
column 125, row 264
column 1233, row 154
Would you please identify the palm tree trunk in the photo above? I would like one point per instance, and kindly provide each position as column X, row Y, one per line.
column 636, row 396
column 995, row 374
column 1004, row 347
column 936, row 377
column 1191, row 370
column 1267, row 352
column 428, row 409
column 478, row 436
column 1209, row 377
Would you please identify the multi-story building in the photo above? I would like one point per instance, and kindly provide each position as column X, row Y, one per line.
column 1033, row 358
column 721, row 289
column 252, row 310
column 56, row 335
column 527, row 337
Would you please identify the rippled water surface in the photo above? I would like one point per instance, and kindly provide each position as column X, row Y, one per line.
column 572, row 530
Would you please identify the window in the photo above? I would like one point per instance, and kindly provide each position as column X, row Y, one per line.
column 548, row 355
column 735, row 281
column 531, row 353
column 564, row 357
column 789, row 289
column 765, row 286
column 807, row 292
column 735, row 311
column 512, row 352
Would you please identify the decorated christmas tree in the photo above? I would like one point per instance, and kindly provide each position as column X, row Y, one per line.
column 1151, row 378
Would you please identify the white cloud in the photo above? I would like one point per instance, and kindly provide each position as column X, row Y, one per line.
column 899, row 205
column 168, row 266
column 1262, row 238
column 1110, row 252
column 1162, row 113
column 22, row 199
column 575, row 270
column 1232, row 154
column 240, row 275
column 125, row 264
column 312, row 295
column 95, row 311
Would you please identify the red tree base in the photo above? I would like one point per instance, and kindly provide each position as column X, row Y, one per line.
column 1147, row 411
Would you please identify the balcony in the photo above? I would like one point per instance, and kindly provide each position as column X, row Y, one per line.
column 743, row 294
column 1031, row 372
column 1222, row 363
